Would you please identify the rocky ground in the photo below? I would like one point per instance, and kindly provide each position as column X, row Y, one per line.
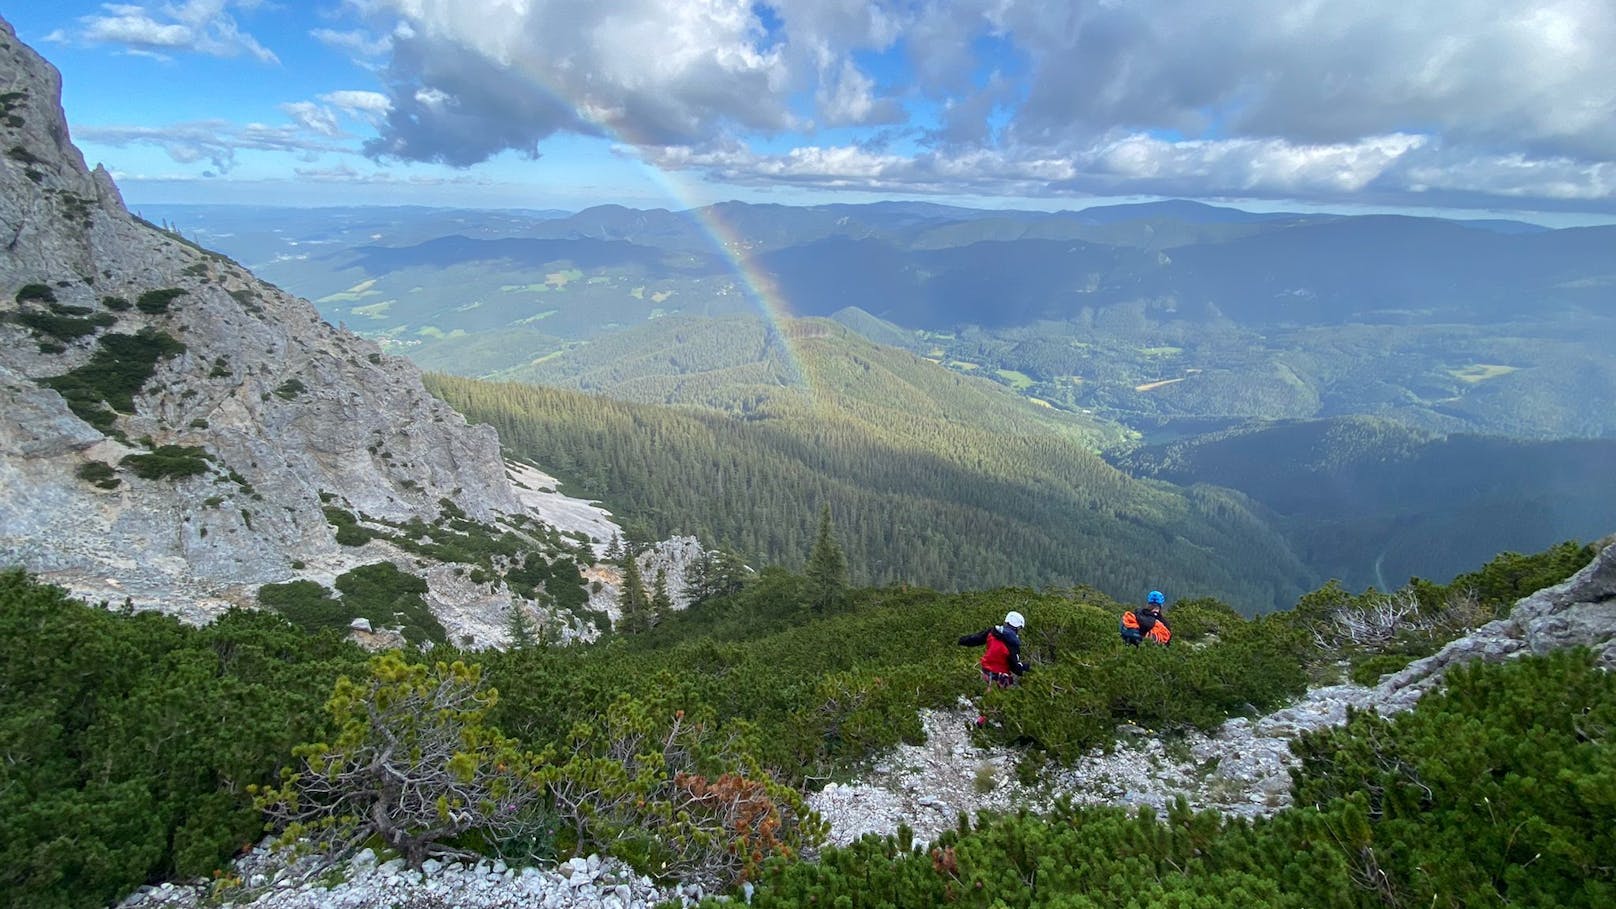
column 363, row 883
column 1241, row 769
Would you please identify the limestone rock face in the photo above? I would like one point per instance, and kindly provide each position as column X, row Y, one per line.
column 289, row 412
column 1580, row 612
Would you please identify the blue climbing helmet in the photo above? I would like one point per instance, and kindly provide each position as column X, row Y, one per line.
column 1155, row 598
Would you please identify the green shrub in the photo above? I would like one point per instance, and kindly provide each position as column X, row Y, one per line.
column 99, row 474
column 1509, row 576
column 387, row 596
column 115, row 373
column 1496, row 791
column 290, row 389
column 116, row 304
column 308, row 605
column 63, row 327
column 349, row 533
column 156, row 302
column 169, row 462
column 378, row 592
column 36, row 293
column 129, row 740
column 457, row 776
column 1367, row 668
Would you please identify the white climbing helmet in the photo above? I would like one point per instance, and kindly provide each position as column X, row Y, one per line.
column 1014, row 620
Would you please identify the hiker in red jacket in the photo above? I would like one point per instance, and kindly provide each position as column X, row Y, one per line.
column 1001, row 658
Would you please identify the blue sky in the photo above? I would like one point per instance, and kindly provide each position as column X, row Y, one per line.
column 1475, row 107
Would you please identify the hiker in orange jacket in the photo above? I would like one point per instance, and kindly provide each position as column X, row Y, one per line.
column 1147, row 623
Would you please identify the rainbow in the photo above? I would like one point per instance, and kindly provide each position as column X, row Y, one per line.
column 760, row 289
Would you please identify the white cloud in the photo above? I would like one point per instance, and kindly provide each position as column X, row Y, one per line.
column 504, row 75
column 195, row 26
column 356, row 41
column 214, row 141
column 321, row 117
column 1389, row 168
column 313, row 117
column 1322, row 99
column 849, row 99
column 1536, row 75
column 358, row 101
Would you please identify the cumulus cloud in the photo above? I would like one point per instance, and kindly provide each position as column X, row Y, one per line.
column 849, row 99
column 507, row 76
column 1396, row 100
column 1267, row 96
column 195, row 26
column 1533, row 74
column 1396, row 168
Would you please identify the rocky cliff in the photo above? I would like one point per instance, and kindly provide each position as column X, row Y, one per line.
column 177, row 433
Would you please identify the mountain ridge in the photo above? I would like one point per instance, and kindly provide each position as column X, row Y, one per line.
column 179, row 433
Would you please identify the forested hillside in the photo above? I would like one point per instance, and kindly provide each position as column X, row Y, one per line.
column 1373, row 502
column 949, row 483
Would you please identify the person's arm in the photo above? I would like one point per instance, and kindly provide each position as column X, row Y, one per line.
column 1013, row 641
column 975, row 640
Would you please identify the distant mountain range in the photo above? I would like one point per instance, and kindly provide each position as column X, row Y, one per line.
column 1153, row 315
column 1174, row 333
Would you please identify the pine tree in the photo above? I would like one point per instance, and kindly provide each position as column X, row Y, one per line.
column 661, row 602
column 636, row 606
column 827, row 567
column 614, row 550
column 521, row 627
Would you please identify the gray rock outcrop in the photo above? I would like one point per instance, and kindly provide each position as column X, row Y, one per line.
column 364, row 882
column 1580, row 612
column 289, row 413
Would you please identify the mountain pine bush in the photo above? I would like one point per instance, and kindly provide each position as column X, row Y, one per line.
column 1498, row 792
column 129, row 741
column 412, row 761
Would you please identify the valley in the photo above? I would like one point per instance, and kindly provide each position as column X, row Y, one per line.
column 1134, row 329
